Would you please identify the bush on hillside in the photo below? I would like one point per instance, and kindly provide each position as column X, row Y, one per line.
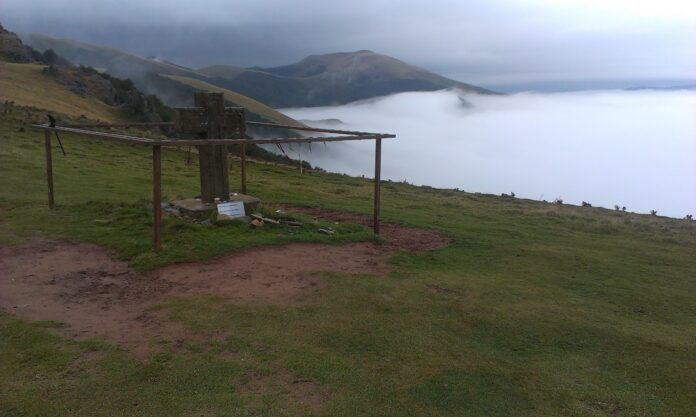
column 49, row 57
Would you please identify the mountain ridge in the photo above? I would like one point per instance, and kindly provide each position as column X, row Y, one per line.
column 317, row 80
column 329, row 79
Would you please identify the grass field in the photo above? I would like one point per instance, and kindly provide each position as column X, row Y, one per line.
column 534, row 309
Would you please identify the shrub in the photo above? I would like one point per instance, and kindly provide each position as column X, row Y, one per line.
column 558, row 200
column 586, row 204
column 88, row 70
column 49, row 57
column 689, row 217
column 653, row 212
column 616, row 207
column 623, row 208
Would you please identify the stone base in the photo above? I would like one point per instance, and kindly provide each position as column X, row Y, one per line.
column 197, row 209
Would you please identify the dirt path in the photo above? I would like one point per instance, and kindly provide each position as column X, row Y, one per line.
column 95, row 295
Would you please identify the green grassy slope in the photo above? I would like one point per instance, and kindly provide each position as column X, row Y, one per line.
column 172, row 83
column 27, row 86
column 241, row 100
column 222, row 71
column 534, row 310
column 119, row 63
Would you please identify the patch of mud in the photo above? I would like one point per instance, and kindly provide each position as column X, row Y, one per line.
column 94, row 294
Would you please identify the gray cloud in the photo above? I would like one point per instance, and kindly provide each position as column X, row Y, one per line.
column 492, row 42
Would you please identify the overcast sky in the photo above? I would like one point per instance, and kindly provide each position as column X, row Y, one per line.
column 487, row 42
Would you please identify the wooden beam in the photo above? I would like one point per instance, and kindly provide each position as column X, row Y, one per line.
column 49, row 168
column 310, row 129
column 186, row 142
column 126, row 125
column 261, row 124
column 378, row 175
column 156, row 198
column 104, row 135
column 189, row 142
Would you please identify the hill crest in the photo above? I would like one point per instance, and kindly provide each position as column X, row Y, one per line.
column 317, row 80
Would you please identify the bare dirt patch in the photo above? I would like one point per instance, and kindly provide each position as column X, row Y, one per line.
column 397, row 236
column 94, row 294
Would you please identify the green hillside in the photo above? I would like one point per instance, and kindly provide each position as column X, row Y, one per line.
column 250, row 104
column 532, row 309
column 27, row 85
column 172, row 83
column 117, row 62
column 221, row 71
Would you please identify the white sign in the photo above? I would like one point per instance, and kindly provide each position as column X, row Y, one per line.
column 231, row 209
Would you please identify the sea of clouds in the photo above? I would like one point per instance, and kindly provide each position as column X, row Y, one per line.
column 632, row 148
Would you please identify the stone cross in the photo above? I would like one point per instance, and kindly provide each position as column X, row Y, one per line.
column 210, row 119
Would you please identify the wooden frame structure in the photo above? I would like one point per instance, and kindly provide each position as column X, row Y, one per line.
column 156, row 144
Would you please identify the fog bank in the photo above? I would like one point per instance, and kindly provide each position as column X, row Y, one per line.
column 635, row 149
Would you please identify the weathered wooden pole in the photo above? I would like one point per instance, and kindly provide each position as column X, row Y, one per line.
column 49, row 167
column 210, row 119
column 378, row 174
column 243, row 169
column 214, row 165
column 156, row 197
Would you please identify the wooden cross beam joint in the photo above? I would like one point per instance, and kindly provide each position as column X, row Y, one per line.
column 196, row 120
column 210, row 119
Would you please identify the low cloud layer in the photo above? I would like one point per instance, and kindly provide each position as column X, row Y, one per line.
column 634, row 149
column 491, row 43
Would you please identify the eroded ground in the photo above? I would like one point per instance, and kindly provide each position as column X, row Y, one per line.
column 93, row 294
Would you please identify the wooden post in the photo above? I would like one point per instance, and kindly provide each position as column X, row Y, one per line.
column 49, row 167
column 299, row 153
column 156, row 196
column 243, row 169
column 378, row 169
column 214, row 164
column 210, row 119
